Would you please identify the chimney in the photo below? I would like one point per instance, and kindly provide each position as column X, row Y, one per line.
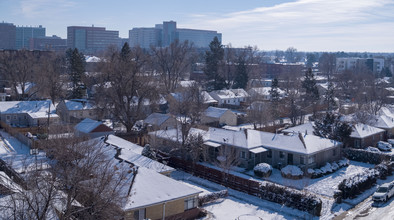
column 302, row 139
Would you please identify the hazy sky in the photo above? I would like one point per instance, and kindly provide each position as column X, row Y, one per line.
column 308, row 25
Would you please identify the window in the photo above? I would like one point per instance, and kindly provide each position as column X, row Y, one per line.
column 8, row 117
column 243, row 154
column 311, row 159
column 139, row 214
column 302, row 160
column 190, row 203
column 269, row 154
column 334, row 152
column 14, row 117
column 281, row 154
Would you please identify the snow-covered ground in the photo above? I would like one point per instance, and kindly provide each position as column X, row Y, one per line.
column 238, row 205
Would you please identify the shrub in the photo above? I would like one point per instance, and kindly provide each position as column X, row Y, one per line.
column 292, row 172
column 262, row 170
column 210, row 197
column 366, row 156
column 327, row 169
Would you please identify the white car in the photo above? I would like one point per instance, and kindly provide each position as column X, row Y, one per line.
column 385, row 146
column 372, row 149
column 384, row 192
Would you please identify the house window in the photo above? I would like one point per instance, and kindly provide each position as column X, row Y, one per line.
column 269, row 154
column 243, row 154
column 139, row 214
column 334, row 152
column 190, row 203
column 302, row 160
column 281, row 154
column 311, row 159
column 357, row 143
column 8, row 117
column 14, row 117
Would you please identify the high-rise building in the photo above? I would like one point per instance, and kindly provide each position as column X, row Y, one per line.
column 91, row 40
column 53, row 43
column 199, row 38
column 145, row 37
column 166, row 33
column 7, row 36
column 350, row 63
column 24, row 34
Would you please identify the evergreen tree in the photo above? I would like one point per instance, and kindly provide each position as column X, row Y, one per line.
column 309, row 84
column 241, row 78
column 329, row 96
column 213, row 59
column 76, row 68
column 332, row 127
column 274, row 98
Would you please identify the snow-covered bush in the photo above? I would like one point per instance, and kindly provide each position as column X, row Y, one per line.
column 291, row 198
column 262, row 170
column 292, row 172
column 366, row 156
column 334, row 166
column 343, row 163
column 210, row 197
column 326, row 169
column 360, row 182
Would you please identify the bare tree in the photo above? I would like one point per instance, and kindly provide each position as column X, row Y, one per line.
column 125, row 86
column 227, row 158
column 173, row 63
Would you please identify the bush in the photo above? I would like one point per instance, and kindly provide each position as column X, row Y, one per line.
column 210, row 197
column 327, row 169
column 292, row 172
column 291, row 198
column 366, row 156
column 262, row 170
column 360, row 182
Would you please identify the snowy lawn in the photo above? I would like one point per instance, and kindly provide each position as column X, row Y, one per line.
column 10, row 144
column 238, row 205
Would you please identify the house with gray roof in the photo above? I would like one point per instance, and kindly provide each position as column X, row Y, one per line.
column 218, row 116
column 158, row 121
column 91, row 128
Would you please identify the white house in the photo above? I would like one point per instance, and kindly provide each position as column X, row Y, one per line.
column 159, row 121
column 263, row 93
column 229, row 96
column 219, row 116
column 76, row 110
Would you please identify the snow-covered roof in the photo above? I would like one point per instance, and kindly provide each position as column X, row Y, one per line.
column 304, row 128
column 78, row 104
column 92, row 59
column 386, row 111
column 363, row 130
column 264, row 91
column 28, row 86
column 251, row 139
column 207, row 98
column 87, row 125
column 142, row 161
column 186, row 83
column 150, row 188
column 229, row 94
column 176, row 135
column 382, row 121
column 124, row 144
column 156, row 119
column 215, row 112
column 36, row 109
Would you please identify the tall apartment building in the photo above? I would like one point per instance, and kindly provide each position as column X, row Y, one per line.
column 349, row 63
column 7, row 36
column 91, row 40
column 166, row 33
column 25, row 33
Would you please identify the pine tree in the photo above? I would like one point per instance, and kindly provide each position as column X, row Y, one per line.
column 309, row 84
column 241, row 78
column 332, row 127
column 274, row 99
column 213, row 58
column 329, row 96
column 76, row 66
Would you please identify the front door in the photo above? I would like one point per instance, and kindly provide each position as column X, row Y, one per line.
column 290, row 159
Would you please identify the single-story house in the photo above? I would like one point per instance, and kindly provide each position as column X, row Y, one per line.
column 230, row 96
column 263, row 93
column 253, row 147
column 76, row 110
column 306, row 128
column 364, row 135
column 208, row 99
column 91, row 128
column 219, row 116
column 384, row 122
column 158, row 121
column 28, row 113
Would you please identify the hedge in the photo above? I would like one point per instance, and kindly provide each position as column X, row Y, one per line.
column 366, row 156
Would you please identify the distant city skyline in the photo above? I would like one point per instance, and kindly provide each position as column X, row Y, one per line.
column 308, row 25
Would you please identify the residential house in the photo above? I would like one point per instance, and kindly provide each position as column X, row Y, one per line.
column 364, row 135
column 263, row 93
column 158, row 121
column 384, row 122
column 230, row 97
column 208, row 99
column 218, row 116
column 91, row 128
column 306, row 128
column 28, row 113
column 252, row 147
column 75, row 110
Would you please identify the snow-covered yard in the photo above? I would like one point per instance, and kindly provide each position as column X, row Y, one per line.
column 238, row 205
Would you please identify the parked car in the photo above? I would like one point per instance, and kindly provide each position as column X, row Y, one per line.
column 385, row 146
column 384, row 192
column 391, row 141
column 372, row 149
